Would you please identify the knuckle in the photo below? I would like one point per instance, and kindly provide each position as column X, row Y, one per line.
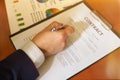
column 61, row 36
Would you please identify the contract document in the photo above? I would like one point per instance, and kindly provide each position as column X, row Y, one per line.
column 92, row 40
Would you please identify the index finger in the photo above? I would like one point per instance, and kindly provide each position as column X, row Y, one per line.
column 67, row 29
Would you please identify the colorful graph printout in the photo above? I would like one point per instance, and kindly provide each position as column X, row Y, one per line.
column 51, row 11
column 42, row 1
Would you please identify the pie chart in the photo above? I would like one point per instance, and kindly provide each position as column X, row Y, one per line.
column 42, row 1
column 51, row 11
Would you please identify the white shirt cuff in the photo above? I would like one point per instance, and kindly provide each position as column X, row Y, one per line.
column 34, row 53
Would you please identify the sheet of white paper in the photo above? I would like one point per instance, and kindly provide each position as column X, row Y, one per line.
column 92, row 40
column 22, row 13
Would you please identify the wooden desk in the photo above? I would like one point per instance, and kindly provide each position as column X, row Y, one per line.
column 106, row 68
column 6, row 47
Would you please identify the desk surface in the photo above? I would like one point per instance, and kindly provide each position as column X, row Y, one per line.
column 106, row 68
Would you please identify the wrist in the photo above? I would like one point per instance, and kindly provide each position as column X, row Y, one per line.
column 40, row 46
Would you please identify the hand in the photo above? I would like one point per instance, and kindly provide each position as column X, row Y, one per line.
column 53, row 42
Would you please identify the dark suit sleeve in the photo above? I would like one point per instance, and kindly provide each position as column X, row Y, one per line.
column 18, row 66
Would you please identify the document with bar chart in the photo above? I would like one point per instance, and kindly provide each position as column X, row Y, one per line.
column 22, row 13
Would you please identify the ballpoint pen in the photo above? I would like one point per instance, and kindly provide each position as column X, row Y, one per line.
column 57, row 28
